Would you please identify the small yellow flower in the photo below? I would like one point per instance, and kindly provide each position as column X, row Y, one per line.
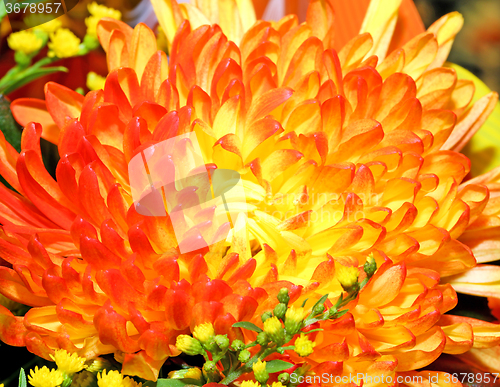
column 129, row 382
column 188, row 345
column 111, row 379
column 259, row 366
column 68, row 363
column 249, row 383
column 304, row 346
column 95, row 81
column 97, row 12
column 101, row 11
column 347, row 276
column 204, row 332
column 43, row 377
column 274, row 329
column 276, row 384
column 260, row 372
column 25, row 41
column 63, row 43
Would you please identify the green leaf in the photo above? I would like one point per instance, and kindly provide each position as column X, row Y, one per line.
column 247, row 325
column 31, row 76
column 320, row 301
column 3, row 10
column 22, row 378
column 277, row 366
column 9, row 127
column 483, row 148
column 170, row 383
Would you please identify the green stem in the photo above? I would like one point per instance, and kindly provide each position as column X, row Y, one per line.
column 233, row 375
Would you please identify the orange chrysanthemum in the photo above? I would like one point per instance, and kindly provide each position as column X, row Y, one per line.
column 342, row 155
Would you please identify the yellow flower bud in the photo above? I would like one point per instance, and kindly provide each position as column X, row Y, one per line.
column 43, row 377
column 304, row 346
column 347, row 276
column 25, row 41
column 193, row 373
column 370, row 266
column 260, row 372
column 274, row 329
column 188, row 345
column 293, row 319
column 63, row 43
column 204, row 332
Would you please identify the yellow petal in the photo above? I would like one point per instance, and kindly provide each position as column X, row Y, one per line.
column 380, row 22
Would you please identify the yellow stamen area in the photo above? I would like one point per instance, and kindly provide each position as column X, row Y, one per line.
column 63, row 43
column 25, row 41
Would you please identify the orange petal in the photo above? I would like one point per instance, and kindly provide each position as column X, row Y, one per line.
column 142, row 48
column 62, row 103
column 27, row 110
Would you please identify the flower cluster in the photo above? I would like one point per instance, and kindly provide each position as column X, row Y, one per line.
column 76, row 371
column 284, row 329
column 61, row 43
